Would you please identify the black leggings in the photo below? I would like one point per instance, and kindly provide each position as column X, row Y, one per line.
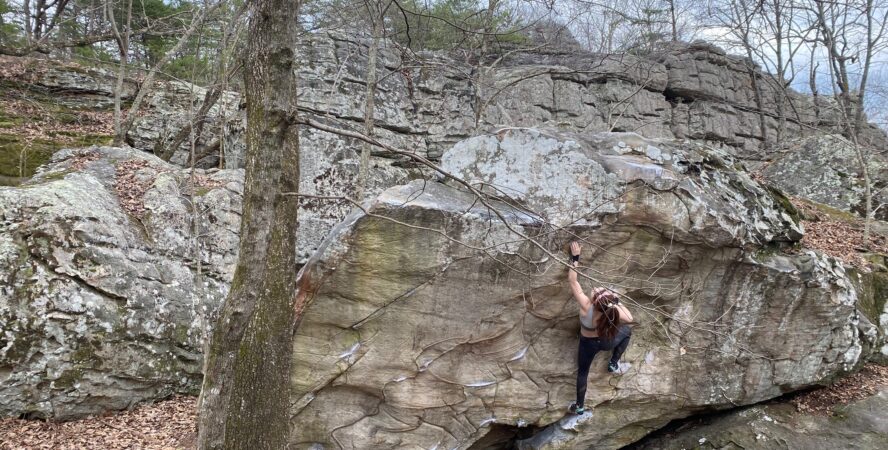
column 589, row 347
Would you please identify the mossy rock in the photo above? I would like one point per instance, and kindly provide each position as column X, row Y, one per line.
column 786, row 203
column 872, row 292
column 68, row 379
column 835, row 213
column 20, row 158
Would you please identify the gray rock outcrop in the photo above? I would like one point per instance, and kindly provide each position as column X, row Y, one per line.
column 171, row 106
column 826, row 169
column 441, row 321
column 447, row 328
column 104, row 295
column 427, row 104
column 694, row 92
column 71, row 84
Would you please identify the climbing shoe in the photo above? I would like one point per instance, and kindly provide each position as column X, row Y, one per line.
column 578, row 410
column 613, row 367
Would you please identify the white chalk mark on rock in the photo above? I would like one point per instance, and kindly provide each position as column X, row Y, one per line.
column 520, row 354
column 481, row 383
column 351, row 351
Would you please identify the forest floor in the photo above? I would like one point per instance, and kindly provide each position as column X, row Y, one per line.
column 839, row 234
column 857, row 386
column 165, row 425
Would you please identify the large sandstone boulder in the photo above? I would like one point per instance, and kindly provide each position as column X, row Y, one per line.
column 105, row 294
column 438, row 320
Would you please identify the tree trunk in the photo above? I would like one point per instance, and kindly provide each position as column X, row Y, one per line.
column 757, row 90
column 781, row 72
column 26, row 10
column 673, row 21
column 245, row 397
column 123, row 46
column 812, row 80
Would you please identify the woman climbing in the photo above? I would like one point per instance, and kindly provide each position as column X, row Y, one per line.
column 602, row 327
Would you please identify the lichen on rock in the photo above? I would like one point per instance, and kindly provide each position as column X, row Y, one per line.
column 100, row 308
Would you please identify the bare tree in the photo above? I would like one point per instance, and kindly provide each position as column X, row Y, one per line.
column 223, row 73
column 846, row 30
column 123, row 42
column 739, row 17
column 782, row 35
column 608, row 26
column 41, row 17
column 42, row 22
column 147, row 84
column 376, row 13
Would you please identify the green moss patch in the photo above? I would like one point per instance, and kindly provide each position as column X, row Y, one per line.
column 786, row 203
column 20, row 157
column 34, row 124
column 835, row 213
column 872, row 292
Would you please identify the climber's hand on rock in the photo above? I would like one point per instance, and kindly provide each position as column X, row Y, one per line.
column 575, row 248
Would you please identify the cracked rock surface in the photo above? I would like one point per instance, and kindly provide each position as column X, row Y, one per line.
column 433, row 324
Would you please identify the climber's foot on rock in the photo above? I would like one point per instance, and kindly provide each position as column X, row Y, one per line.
column 617, row 368
column 578, row 410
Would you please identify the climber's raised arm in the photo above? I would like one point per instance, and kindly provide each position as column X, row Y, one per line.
column 575, row 287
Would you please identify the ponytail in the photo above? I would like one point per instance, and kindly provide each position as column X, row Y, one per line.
column 609, row 318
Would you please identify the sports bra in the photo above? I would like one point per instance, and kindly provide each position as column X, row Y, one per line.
column 587, row 322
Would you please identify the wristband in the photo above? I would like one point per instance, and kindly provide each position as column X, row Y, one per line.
column 575, row 258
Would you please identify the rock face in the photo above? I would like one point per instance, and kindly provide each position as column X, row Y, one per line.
column 101, row 305
column 426, row 105
column 71, row 84
column 859, row 425
column 872, row 301
column 694, row 92
column 168, row 109
column 826, row 169
column 439, row 320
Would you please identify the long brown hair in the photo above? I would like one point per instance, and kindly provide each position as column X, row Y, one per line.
column 609, row 316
